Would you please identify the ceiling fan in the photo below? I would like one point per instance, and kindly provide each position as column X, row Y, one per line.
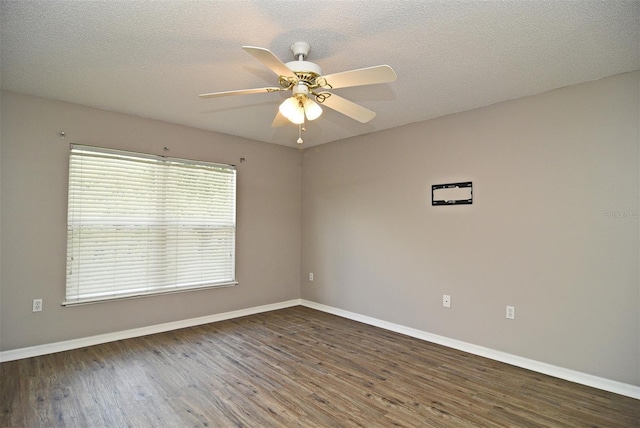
column 309, row 87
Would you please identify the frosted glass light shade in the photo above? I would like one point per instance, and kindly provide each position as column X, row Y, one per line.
column 292, row 110
column 312, row 109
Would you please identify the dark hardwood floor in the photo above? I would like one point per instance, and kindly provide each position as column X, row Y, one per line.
column 294, row 367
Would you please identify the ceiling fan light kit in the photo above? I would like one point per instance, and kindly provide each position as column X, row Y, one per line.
column 298, row 106
column 311, row 109
column 305, row 80
column 293, row 109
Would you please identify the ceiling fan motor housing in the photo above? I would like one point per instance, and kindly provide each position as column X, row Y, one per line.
column 304, row 67
column 306, row 71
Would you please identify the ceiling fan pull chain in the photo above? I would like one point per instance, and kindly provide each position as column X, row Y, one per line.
column 300, row 134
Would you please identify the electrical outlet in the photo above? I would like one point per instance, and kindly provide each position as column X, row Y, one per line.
column 511, row 312
column 37, row 305
column 446, row 300
column 311, row 276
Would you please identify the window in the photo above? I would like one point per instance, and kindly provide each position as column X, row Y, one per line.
column 143, row 224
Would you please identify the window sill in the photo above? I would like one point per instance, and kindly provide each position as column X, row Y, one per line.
column 88, row 301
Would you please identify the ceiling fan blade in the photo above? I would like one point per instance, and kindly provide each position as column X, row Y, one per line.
column 240, row 92
column 272, row 62
column 361, row 76
column 279, row 121
column 348, row 108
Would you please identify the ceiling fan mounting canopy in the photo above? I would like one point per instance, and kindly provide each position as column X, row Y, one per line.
column 300, row 48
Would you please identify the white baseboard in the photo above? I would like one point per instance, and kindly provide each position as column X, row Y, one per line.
column 50, row 348
column 544, row 368
column 548, row 369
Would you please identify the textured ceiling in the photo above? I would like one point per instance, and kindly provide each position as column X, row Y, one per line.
column 153, row 58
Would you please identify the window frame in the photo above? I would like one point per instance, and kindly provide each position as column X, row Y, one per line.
column 76, row 294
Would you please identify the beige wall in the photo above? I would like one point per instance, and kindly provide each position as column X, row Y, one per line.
column 553, row 229
column 33, row 228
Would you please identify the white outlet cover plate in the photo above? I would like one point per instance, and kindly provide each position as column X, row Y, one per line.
column 511, row 312
column 446, row 301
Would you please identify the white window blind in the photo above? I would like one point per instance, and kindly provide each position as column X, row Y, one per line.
column 143, row 224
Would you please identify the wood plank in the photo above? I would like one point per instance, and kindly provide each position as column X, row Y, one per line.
column 295, row 367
